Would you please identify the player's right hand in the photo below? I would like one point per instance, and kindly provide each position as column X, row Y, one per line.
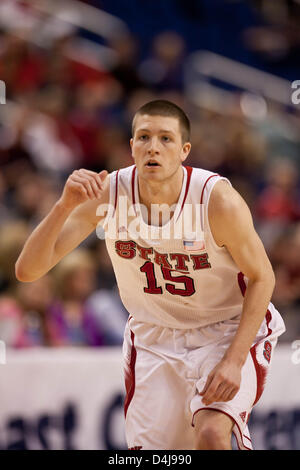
column 81, row 186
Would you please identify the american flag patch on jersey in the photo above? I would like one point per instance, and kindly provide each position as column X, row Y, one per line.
column 194, row 245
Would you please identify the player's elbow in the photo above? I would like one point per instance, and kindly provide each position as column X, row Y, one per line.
column 22, row 275
column 267, row 277
column 272, row 280
column 270, row 276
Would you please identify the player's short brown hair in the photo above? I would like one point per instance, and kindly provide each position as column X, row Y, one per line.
column 168, row 109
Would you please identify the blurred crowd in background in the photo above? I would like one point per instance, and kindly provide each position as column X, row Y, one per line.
column 68, row 109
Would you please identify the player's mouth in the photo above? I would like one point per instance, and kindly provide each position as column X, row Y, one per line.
column 152, row 164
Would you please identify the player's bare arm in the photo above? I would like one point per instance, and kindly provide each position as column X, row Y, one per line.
column 232, row 226
column 70, row 221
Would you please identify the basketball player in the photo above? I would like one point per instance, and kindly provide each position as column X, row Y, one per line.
column 201, row 330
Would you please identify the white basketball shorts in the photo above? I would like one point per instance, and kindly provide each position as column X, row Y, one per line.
column 166, row 368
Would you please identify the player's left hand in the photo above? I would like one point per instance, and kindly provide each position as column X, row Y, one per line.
column 222, row 383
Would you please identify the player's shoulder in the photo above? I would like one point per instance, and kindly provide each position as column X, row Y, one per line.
column 123, row 177
column 123, row 172
column 225, row 200
column 200, row 173
column 205, row 180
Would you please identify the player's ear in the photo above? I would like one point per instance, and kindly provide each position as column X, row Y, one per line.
column 131, row 144
column 185, row 151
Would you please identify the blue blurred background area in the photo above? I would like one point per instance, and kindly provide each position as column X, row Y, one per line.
column 75, row 72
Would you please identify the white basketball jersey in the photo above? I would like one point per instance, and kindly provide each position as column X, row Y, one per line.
column 171, row 276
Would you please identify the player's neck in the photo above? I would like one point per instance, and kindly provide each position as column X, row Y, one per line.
column 161, row 192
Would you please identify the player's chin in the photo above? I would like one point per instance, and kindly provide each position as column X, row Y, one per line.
column 155, row 172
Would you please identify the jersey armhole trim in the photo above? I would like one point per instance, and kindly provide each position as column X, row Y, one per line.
column 113, row 195
column 133, row 188
column 207, row 198
column 189, row 171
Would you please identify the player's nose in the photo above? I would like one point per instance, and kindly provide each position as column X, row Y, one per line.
column 153, row 148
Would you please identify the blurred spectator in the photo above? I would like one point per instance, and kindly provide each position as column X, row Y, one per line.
column 125, row 71
column 135, row 101
column 49, row 137
column 115, row 144
column 105, row 302
column 34, row 299
column 5, row 213
column 11, row 324
column 23, row 314
column 12, row 239
column 285, row 256
column 278, row 41
column 71, row 322
column 109, row 313
column 96, row 109
column 33, row 197
column 23, row 307
column 15, row 159
column 105, row 273
column 22, row 67
column 279, row 203
column 163, row 69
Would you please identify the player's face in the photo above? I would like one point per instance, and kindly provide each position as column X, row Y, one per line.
column 157, row 147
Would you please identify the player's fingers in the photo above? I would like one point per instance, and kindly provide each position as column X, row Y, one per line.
column 86, row 184
column 81, row 189
column 103, row 174
column 78, row 179
column 207, row 384
column 208, row 396
column 231, row 394
column 220, row 393
column 94, row 176
column 94, row 180
column 95, row 187
column 226, row 393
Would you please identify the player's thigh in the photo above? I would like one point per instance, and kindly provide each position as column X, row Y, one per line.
column 157, row 403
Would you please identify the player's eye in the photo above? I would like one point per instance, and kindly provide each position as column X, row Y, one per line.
column 165, row 138
column 143, row 137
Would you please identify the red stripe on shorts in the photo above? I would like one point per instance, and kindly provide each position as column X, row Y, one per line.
column 130, row 376
column 261, row 371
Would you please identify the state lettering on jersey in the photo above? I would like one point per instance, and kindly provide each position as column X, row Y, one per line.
column 172, row 261
column 144, row 252
column 162, row 260
column 126, row 249
column 180, row 258
column 200, row 261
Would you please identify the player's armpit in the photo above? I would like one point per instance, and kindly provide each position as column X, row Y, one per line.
column 232, row 226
